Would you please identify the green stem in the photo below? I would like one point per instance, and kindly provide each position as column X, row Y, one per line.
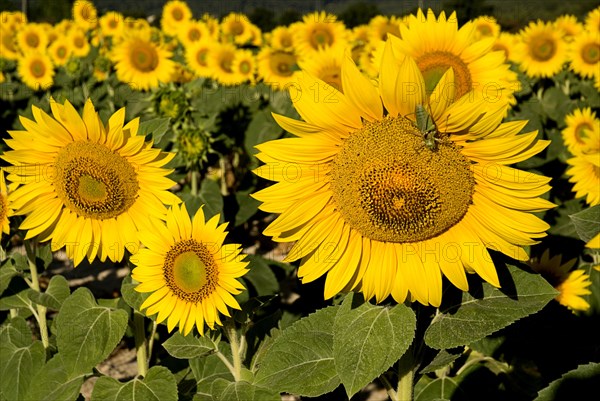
column 194, row 181
column 140, row 343
column 35, row 285
column 388, row 386
column 235, row 349
column 226, row 362
column 151, row 339
column 406, row 375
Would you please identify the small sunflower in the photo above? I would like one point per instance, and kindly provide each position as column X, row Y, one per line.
column 8, row 49
column 277, row 68
column 319, row 30
column 36, row 71
column 190, row 272
column 80, row 46
column 60, row 51
column 592, row 21
column 32, row 38
column 542, row 51
column 282, row 38
column 377, row 208
column 196, row 57
column 235, row 28
column 380, row 26
column 220, row 63
column 193, row 32
column 174, row 14
column 141, row 63
column 244, row 64
column 214, row 28
column 506, row 42
column 5, row 209
column 582, row 133
column 112, row 24
column 571, row 284
column 84, row 185
column 325, row 65
column 438, row 44
column 486, row 27
column 85, row 14
column 585, row 174
column 585, row 54
column 569, row 25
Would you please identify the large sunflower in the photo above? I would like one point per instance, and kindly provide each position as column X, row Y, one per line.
column 141, row 63
column 438, row 44
column 585, row 54
column 36, row 71
column 190, row 272
column 378, row 205
column 582, row 133
column 542, row 51
column 86, row 186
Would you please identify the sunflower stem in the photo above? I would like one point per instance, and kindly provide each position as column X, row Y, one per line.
column 35, row 285
column 140, row 343
column 389, row 388
column 194, row 181
column 236, row 349
column 151, row 339
column 405, row 377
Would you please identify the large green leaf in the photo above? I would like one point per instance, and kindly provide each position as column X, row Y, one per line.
column 262, row 128
column 158, row 385
column 587, row 222
column 206, row 370
column 261, row 276
column 56, row 382
column 14, row 298
column 209, row 195
column 300, row 361
column 368, row 339
column 439, row 389
column 242, row 391
column 86, row 332
column 130, row 295
column 487, row 309
column 57, row 291
column 7, row 272
column 157, row 127
column 187, row 347
column 578, row 384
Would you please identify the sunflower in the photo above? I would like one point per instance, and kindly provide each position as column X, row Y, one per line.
column 191, row 274
column 112, row 24
column 594, row 243
column 381, row 25
column 582, row 133
column 196, row 57
column 318, row 30
column 174, row 13
column 8, row 50
column 571, row 285
column 214, row 28
column 542, row 51
column 592, row 21
column 506, row 42
column 36, row 71
column 141, row 63
column 5, row 210
column 85, row 14
column 325, row 65
column 486, row 27
column 569, row 26
column 277, row 68
column 585, row 54
column 358, row 41
column 378, row 207
column 585, row 174
column 60, row 51
column 438, row 44
column 32, row 38
column 244, row 64
column 99, row 183
column 193, row 32
column 79, row 43
column 220, row 63
column 235, row 28
column 282, row 38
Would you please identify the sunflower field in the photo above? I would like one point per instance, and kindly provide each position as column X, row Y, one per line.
column 195, row 209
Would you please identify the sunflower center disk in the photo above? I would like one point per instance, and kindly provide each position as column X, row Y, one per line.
column 390, row 187
column 144, row 58
column 320, row 37
column 581, row 132
column 591, row 53
column 542, row 48
column 37, row 69
column 190, row 271
column 95, row 182
column 435, row 64
column 32, row 40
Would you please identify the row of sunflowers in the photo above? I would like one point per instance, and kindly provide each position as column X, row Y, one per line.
column 409, row 170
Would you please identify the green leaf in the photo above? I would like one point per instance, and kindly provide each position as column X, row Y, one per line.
column 206, row 370
column 130, row 295
column 300, row 361
column 187, row 347
column 244, row 391
column 247, row 207
column 13, row 299
column 578, row 384
column 158, row 385
column 261, row 276
column 555, row 104
column 16, row 332
column 441, row 360
column 262, row 128
column 157, row 127
column 587, row 222
column 86, row 332
column 486, row 309
column 56, row 382
column 7, row 272
column 57, row 291
column 439, row 389
column 368, row 339
column 18, row 366
column 209, row 195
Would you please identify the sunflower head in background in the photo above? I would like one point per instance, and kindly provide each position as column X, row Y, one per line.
column 391, row 188
column 542, row 50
